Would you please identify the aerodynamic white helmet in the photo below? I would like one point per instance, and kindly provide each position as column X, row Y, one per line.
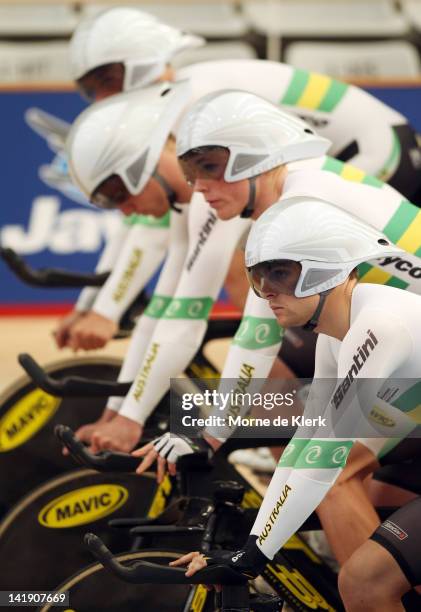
column 129, row 36
column 326, row 241
column 114, row 146
column 256, row 135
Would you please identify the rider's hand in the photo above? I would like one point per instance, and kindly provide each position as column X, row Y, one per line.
column 167, row 449
column 61, row 333
column 195, row 562
column 85, row 432
column 91, row 332
column 249, row 561
column 120, row 434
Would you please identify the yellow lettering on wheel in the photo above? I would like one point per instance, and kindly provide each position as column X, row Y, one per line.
column 83, row 506
column 300, row 588
column 26, row 418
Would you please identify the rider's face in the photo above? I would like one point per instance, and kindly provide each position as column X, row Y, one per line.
column 291, row 311
column 227, row 199
column 151, row 201
column 102, row 82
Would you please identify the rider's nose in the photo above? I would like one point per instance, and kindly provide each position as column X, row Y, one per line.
column 266, row 291
column 200, row 185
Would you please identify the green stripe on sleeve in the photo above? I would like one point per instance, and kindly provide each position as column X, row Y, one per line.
column 157, row 306
column 333, row 165
column 397, row 282
column 363, row 268
column 333, row 96
column 324, row 454
column 372, row 181
column 148, row 220
column 296, row 87
column 400, row 221
column 189, row 308
column 292, row 452
column 256, row 333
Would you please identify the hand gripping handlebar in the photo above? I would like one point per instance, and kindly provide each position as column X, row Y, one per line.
column 104, row 461
column 143, row 572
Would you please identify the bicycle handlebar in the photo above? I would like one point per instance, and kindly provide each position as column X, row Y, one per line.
column 70, row 386
column 104, row 461
column 144, row 572
column 49, row 277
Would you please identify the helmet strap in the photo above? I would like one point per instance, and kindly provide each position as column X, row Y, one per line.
column 169, row 191
column 313, row 322
column 249, row 207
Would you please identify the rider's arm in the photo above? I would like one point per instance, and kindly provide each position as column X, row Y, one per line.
column 180, row 331
column 314, row 463
column 105, row 263
column 361, row 128
column 164, row 290
column 250, row 358
column 141, row 253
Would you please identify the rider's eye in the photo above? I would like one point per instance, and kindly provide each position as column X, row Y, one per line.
column 211, row 168
column 278, row 275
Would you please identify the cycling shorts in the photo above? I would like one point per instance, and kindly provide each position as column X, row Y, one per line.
column 400, row 535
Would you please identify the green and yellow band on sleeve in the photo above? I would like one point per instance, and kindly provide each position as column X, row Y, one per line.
column 313, row 91
column 257, row 333
column 351, row 173
column 404, row 229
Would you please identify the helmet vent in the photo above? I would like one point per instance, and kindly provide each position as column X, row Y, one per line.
column 244, row 161
column 383, row 242
column 135, row 171
column 308, row 131
column 138, row 74
column 164, row 93
column 316, row 277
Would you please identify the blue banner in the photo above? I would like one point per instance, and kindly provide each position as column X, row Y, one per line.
column 40, row 223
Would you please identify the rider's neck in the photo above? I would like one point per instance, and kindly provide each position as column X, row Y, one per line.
column 269, row 187
column 335, row 319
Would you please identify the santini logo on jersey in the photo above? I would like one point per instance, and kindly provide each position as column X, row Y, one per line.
column 203, row 236
column 361, row 355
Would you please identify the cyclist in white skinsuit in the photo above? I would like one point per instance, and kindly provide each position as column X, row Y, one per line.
column 301, row 256
column 122, row 49
column 252, row 124
column 120, row 124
